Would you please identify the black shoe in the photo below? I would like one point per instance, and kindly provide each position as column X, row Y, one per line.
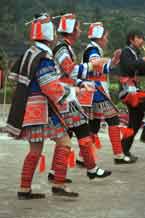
column 29, row 195
column 142, row 136
column 97, row 175
column 59, row 191
column 142, row 139
column 132, row 156
column 80, row 163
column 51, row 178
column 125, row 160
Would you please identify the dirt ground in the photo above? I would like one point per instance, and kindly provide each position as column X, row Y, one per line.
column 122, row 195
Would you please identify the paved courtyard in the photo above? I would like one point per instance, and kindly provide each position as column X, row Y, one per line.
column 121, row 195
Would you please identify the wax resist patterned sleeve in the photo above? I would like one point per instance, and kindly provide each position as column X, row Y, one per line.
column 93, row 54
column 67, row 65
column 48, row 81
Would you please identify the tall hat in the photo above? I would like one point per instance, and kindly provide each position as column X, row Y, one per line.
column 96, row 30
column 67, row 23
column 42, row 28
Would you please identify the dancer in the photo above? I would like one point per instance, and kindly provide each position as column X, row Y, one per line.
column 131, row 65
column 34, row 115
column 102, row 106
column 73, row 114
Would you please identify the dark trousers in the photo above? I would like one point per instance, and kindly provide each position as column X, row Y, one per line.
column 135, row 119
column 95, row 124
column 142, row 136
column 81, row 131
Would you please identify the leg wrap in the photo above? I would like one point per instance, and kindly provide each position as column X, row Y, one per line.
column 53, row 160
column 60, row 163
column 86, row 148
column 114, row 134
column 96, row 141
column 29, row 166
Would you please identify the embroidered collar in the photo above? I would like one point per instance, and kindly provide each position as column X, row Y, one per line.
column 44, row 47
column 68, row 41
column 70, row 49
column 95, row 44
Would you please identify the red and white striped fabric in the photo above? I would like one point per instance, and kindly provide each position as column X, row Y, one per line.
column 42, row 28
column 96, row 30
column 67, row 23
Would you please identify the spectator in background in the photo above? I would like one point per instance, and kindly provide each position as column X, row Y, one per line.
column 131, row 65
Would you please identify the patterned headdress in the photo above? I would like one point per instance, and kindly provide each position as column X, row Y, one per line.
column 42, row 28
column 67, row 23
column 96, row 30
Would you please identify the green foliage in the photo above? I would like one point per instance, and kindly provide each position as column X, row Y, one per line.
column 118, row 16
column 114, row 90
column 8, row 94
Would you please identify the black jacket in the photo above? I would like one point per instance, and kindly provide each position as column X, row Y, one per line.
column 22, row 73
column 131, row 62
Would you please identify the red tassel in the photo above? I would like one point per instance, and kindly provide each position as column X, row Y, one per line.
column 134, row 99
column 42, row 163
column 96, row 141
column 126, row 132
column 71, row 159
column 94, row 149
column 141, row 96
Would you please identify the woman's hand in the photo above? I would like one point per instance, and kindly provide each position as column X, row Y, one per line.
column 116, row 57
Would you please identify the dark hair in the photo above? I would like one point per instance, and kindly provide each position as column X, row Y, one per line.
column 132, row 34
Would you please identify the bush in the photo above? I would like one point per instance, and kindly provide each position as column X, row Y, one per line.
column 114, row 91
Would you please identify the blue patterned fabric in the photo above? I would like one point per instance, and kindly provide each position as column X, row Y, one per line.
column 92, row 53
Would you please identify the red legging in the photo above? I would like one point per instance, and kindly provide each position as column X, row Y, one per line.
column 60, row 163
column 30, row 164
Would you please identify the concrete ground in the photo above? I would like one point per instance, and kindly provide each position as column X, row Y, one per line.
column 121, row 195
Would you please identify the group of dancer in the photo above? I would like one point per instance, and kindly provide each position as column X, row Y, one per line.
column 55, row 97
